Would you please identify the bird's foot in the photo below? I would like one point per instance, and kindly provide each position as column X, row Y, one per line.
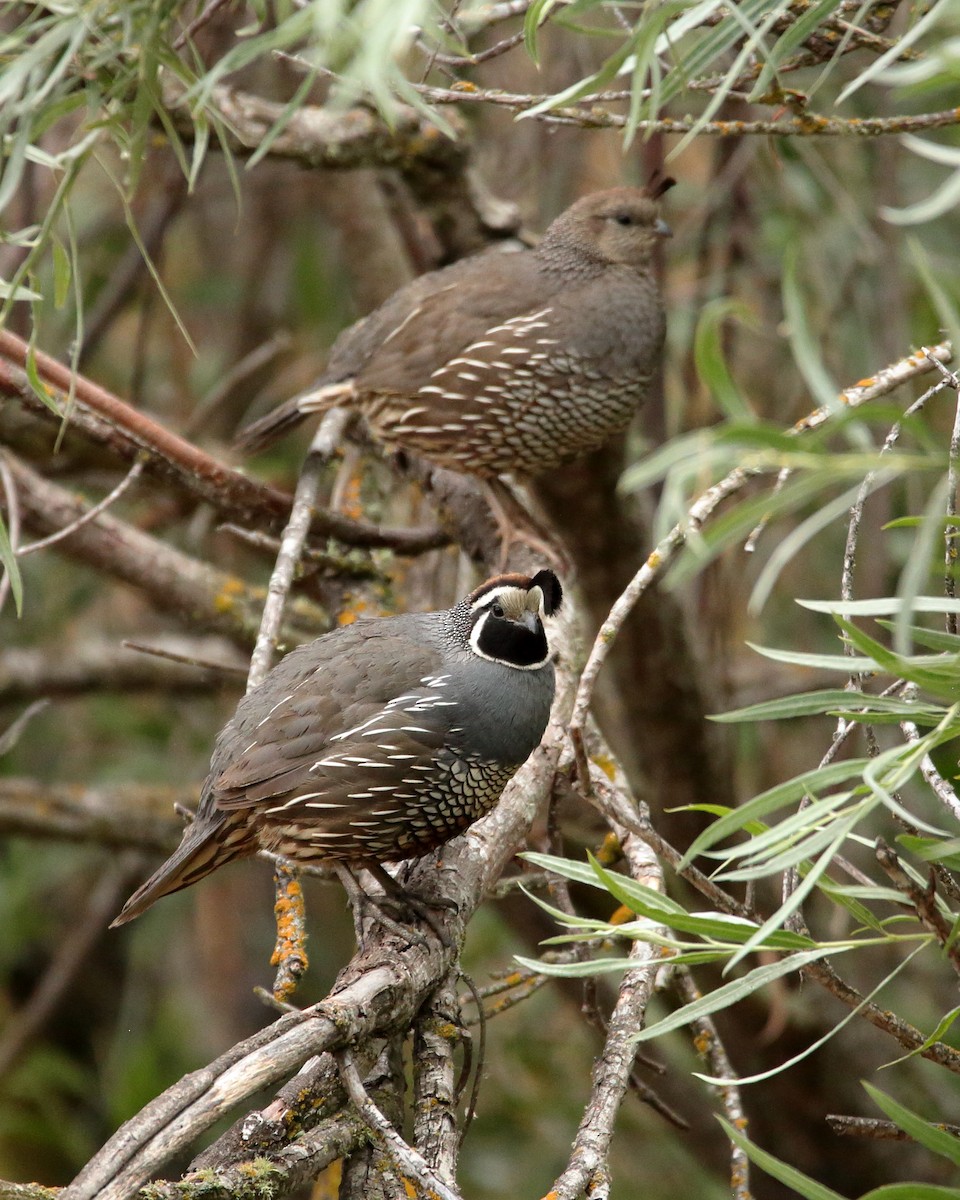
column 518, row 524
column 399, row 902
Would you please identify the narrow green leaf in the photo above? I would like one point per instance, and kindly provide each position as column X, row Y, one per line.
column 61, row 273
column 902, row 43
column 720, row 926
column 806, row 353
column 802, row 1184
column 535, row 14
column 912, row 1191
column 821, row 1041
column 933, row 639
column 808, row 782
column 882, row 606
column 8, row 560
column 795, row 35
column 942, row 1028
column 729, row 993
column 938, row 1141
column 577, row 970
column 840, row 827
column 710, row 359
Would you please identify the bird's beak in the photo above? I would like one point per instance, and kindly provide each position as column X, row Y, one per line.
column 530, row 620
column 662, row 229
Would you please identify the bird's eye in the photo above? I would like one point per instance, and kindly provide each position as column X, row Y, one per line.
column 623, row 219
column 497, row 610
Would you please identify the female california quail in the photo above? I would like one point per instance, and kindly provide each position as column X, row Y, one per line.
column 508, row 361
column 376, row 742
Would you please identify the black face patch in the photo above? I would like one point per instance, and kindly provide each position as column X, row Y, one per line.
column 515, row 643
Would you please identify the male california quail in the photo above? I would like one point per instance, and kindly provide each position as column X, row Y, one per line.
column 508, row 361
column 376, row 742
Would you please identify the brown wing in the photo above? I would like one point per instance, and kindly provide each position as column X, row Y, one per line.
column 435, row 318
column 336, row 735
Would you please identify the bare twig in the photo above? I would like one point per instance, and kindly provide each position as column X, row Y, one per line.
column 709, row 1046
column 923, row 901
column 173, row 581
column 291, row 544
column 91, row 513
column 106, row 419
column 613, row 1071
column 876, row 1129
column 805, row 124
column 943, row 790
column 408, row 1163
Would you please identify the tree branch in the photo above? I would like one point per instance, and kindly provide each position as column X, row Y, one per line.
column 107, row 420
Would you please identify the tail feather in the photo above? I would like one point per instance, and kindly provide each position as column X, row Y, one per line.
column 259, row 434
column 207, row 844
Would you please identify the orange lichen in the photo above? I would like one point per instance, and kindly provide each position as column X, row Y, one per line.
column 226, row 598
column 606, row 765
column 352, row 609
column 609, row 851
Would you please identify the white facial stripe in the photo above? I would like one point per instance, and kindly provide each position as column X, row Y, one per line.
column 519, row 596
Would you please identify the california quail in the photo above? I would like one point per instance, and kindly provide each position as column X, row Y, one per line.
column 508, row 361
column 376, row 742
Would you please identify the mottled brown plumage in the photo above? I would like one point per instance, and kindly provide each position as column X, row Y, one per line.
column 508, row 361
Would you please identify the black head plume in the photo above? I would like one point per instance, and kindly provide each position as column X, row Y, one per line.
column 549, row 585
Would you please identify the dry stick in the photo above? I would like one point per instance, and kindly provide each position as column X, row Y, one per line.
column 407, row 1161
column 708, row 1044
column 106, row 419
column 435, row 1036
column 90, row 515
column 290, row 955
column 923, row 900
column 876, row 1129
column 587, row 1166
column 805, row 124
